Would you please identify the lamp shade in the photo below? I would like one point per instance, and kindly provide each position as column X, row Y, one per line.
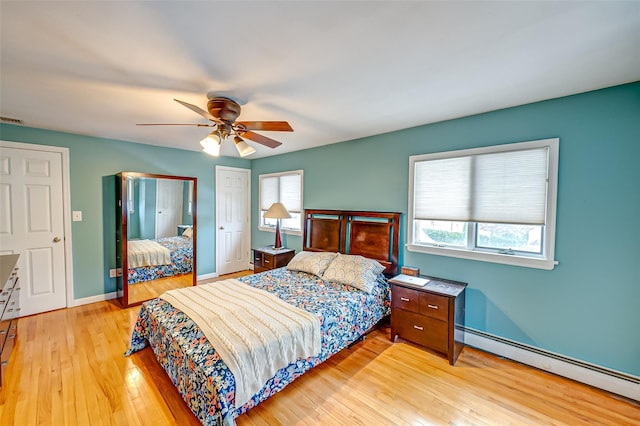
column 277, row 211
column 211, row 144
column 243, row 148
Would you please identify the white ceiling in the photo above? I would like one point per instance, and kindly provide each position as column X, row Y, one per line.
column 335, row 71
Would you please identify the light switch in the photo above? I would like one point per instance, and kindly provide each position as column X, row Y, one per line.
column 77, row 216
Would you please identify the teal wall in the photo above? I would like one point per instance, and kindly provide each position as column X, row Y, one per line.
column 93, row 165
column 587, row 307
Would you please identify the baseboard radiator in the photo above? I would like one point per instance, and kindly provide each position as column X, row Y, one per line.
column 594, row 375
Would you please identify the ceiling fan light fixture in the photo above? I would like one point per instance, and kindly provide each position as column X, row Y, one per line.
column 211, row 144
column 243, row 148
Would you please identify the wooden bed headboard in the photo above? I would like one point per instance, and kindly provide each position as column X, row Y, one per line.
column 374, row 235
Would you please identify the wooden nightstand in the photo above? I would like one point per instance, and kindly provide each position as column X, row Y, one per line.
column 431, row 315
column 265, row 258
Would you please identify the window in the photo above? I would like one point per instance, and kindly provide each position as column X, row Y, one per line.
column 131, row 203
column 286, row 188
column 496, row 204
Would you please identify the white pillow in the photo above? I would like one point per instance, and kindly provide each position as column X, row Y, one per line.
column 188, row 232
column 311, row 262
column 353, row 270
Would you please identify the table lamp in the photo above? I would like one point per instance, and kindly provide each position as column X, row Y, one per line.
column 277, row 211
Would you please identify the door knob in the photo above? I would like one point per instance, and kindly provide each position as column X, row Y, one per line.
column 57, row 240
column 222, row 227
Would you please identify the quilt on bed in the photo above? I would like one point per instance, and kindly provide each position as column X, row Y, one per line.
column 147, row 253
column 181, row 257
column 202, row 378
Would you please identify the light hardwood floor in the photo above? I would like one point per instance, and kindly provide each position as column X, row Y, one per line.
column 68, row 368
column 149, row 289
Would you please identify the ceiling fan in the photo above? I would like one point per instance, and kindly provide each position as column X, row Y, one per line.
column 223, row 112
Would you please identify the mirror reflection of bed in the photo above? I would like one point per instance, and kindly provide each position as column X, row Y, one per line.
column 159, row 221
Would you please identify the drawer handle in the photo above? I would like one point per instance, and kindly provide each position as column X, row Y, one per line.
column 12, row 336
column 5, row 363
column 417, row 327
column 433, row 306
column 266, row 261
column 404, row 299
column 3, row 331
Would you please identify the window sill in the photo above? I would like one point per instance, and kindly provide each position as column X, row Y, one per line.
column 514, row 260
column 282, row 231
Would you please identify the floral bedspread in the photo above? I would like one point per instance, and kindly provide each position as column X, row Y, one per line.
column 202, row 378
column 181, row 260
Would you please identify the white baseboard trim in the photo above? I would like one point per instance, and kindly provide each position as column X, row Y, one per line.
column 610, row 380
column 207, row 276
column 94, row 299
column 113, row 295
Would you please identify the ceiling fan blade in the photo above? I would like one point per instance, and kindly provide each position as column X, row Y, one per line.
column 199, row 110
column 274, row 126
column 262, row 140
column 175, row 124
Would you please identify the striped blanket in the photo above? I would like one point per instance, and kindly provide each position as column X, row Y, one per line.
column 255, row 332
column 147, row 253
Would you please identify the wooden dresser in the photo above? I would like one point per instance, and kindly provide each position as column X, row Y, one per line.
column 431, row 316
column 265, row 258
column 9, row 309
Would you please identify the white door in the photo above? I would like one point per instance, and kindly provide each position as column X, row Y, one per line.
column 168, row 207
column 32, row 225
column 233, row 223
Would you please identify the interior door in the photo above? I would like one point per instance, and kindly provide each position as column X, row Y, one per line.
column 168, row 207
column 233, row 223
column 32, row 225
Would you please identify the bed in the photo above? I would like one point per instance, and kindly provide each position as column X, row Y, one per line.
column 152, row 265
column 345, row 312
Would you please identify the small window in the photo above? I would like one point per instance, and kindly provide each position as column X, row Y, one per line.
column 286, row 188
column 131, row 200
column 495, row 204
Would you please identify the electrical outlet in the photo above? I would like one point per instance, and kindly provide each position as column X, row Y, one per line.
column 112, row 273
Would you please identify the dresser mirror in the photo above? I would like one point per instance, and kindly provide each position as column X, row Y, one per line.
column 155, row 235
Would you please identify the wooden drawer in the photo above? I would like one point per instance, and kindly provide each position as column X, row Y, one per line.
column 5, row 293
column 429, row 315
column 265, row 259
column 12, row 310
column 405, row 298
column 257, row 258
column 421, row 329
column 9, row 343
column 3, row 304
column 268, row 261
column 12, row 334
column 4, row 332
column 434, row 306
column 9, row 310
column 9, row 284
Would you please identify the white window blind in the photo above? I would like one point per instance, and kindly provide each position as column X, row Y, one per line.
column 285, row 188
column 502, row 187
column 442, row 189
column 269, row 191
column 290, row 193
